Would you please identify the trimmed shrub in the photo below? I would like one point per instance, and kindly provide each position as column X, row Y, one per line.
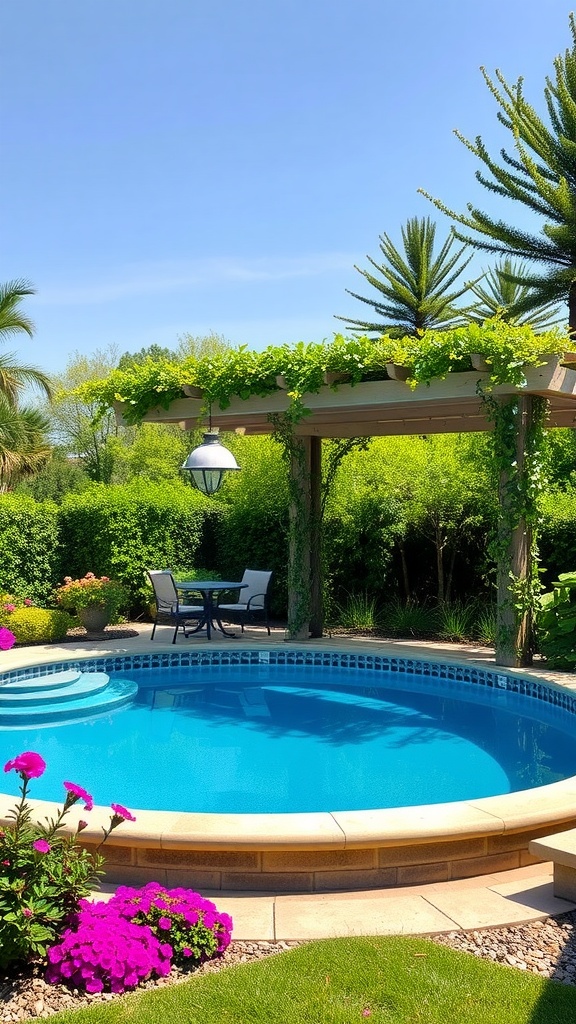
column 123, row 530
column 39, row 625
column 29, row 547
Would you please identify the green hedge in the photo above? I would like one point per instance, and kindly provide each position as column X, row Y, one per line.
column 557, row 534
column 254, row 531
column 121, row 531
column 29, row 546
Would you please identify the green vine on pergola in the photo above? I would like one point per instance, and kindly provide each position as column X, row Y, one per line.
column 244, row 373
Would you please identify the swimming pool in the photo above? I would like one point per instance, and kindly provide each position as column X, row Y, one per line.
column 315, row 850
column 261, row 738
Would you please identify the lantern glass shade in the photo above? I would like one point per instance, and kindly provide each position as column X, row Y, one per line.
column 208, row 462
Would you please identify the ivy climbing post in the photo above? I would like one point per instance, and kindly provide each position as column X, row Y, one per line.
column 316, row 538
column 299, row 541
column 518, row 432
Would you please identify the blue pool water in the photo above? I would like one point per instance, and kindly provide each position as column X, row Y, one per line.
column 289, row 738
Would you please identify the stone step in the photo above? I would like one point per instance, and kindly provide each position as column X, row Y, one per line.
column 87, row 683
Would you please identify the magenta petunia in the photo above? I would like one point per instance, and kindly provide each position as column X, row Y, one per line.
column 42, row 846
column 7, row 639
column 165, row 924
column 80, row 794
column 122, row 812
column 29, row 764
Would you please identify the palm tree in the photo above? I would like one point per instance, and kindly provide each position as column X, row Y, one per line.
column 542, row 175
column 503, row 292
column 415, row 286
column 24, row 447
column 15, row 377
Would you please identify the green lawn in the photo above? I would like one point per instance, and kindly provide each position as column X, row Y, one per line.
column 338, row 981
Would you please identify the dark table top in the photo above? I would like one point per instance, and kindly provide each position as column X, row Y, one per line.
column 209, row 585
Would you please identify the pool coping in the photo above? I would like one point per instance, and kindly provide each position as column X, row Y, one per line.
column 328, row 851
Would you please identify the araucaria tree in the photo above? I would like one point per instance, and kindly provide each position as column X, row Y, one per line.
column 415, row 285
column 503, row 292
column 541, row 174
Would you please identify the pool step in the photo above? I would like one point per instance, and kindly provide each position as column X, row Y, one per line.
column 83, row 686
column 90, row 693
column 42, row 683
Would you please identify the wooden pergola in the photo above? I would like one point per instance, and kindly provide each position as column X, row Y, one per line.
column 379, row 408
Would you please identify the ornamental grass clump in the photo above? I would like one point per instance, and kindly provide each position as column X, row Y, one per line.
column 92, row 592
column 193, row 926
column 44, row 871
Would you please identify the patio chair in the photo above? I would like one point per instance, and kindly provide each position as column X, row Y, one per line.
column 169, row 609
column 253, row 605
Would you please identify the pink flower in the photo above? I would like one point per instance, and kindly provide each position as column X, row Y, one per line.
column 82, row 825
column 79, row 794
column 9, row 607
column 165, row 924
column 42, row 846
column 27, row 912
column 29, row 764
column 6, row 863
column 27, row 602
column 7, row 639
column 122, row 812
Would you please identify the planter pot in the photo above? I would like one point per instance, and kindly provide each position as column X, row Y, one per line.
column 331, row 377
column 479, row 363
column 93, row 618
column 396, row 372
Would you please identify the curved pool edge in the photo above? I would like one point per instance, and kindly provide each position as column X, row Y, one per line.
column 322, row 852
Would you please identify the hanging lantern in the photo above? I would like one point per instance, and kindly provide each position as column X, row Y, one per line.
column 208, row 462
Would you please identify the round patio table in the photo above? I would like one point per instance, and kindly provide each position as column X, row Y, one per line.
column 208, row 588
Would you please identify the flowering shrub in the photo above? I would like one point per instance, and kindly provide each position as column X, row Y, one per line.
column 103, row 949
column 9, row 604
column 192, row 925
column 43, row 872
column 92, row 591
column 137, row 934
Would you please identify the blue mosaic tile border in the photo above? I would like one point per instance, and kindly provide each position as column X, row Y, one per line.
column 449, row 673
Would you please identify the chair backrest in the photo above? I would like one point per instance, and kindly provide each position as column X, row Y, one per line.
column 258, row 583
column 164, row 589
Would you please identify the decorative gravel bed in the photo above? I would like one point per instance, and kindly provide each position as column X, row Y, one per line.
column 547, row 948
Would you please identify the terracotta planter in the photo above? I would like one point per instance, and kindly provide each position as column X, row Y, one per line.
column 94, row 618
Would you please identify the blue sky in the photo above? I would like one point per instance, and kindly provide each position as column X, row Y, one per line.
column 182, row 167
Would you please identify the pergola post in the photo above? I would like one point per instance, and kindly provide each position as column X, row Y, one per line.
column 515, row 553
column 299, row 540
column 316, row 557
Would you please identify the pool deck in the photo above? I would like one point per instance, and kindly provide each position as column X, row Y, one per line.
column 515, row 896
